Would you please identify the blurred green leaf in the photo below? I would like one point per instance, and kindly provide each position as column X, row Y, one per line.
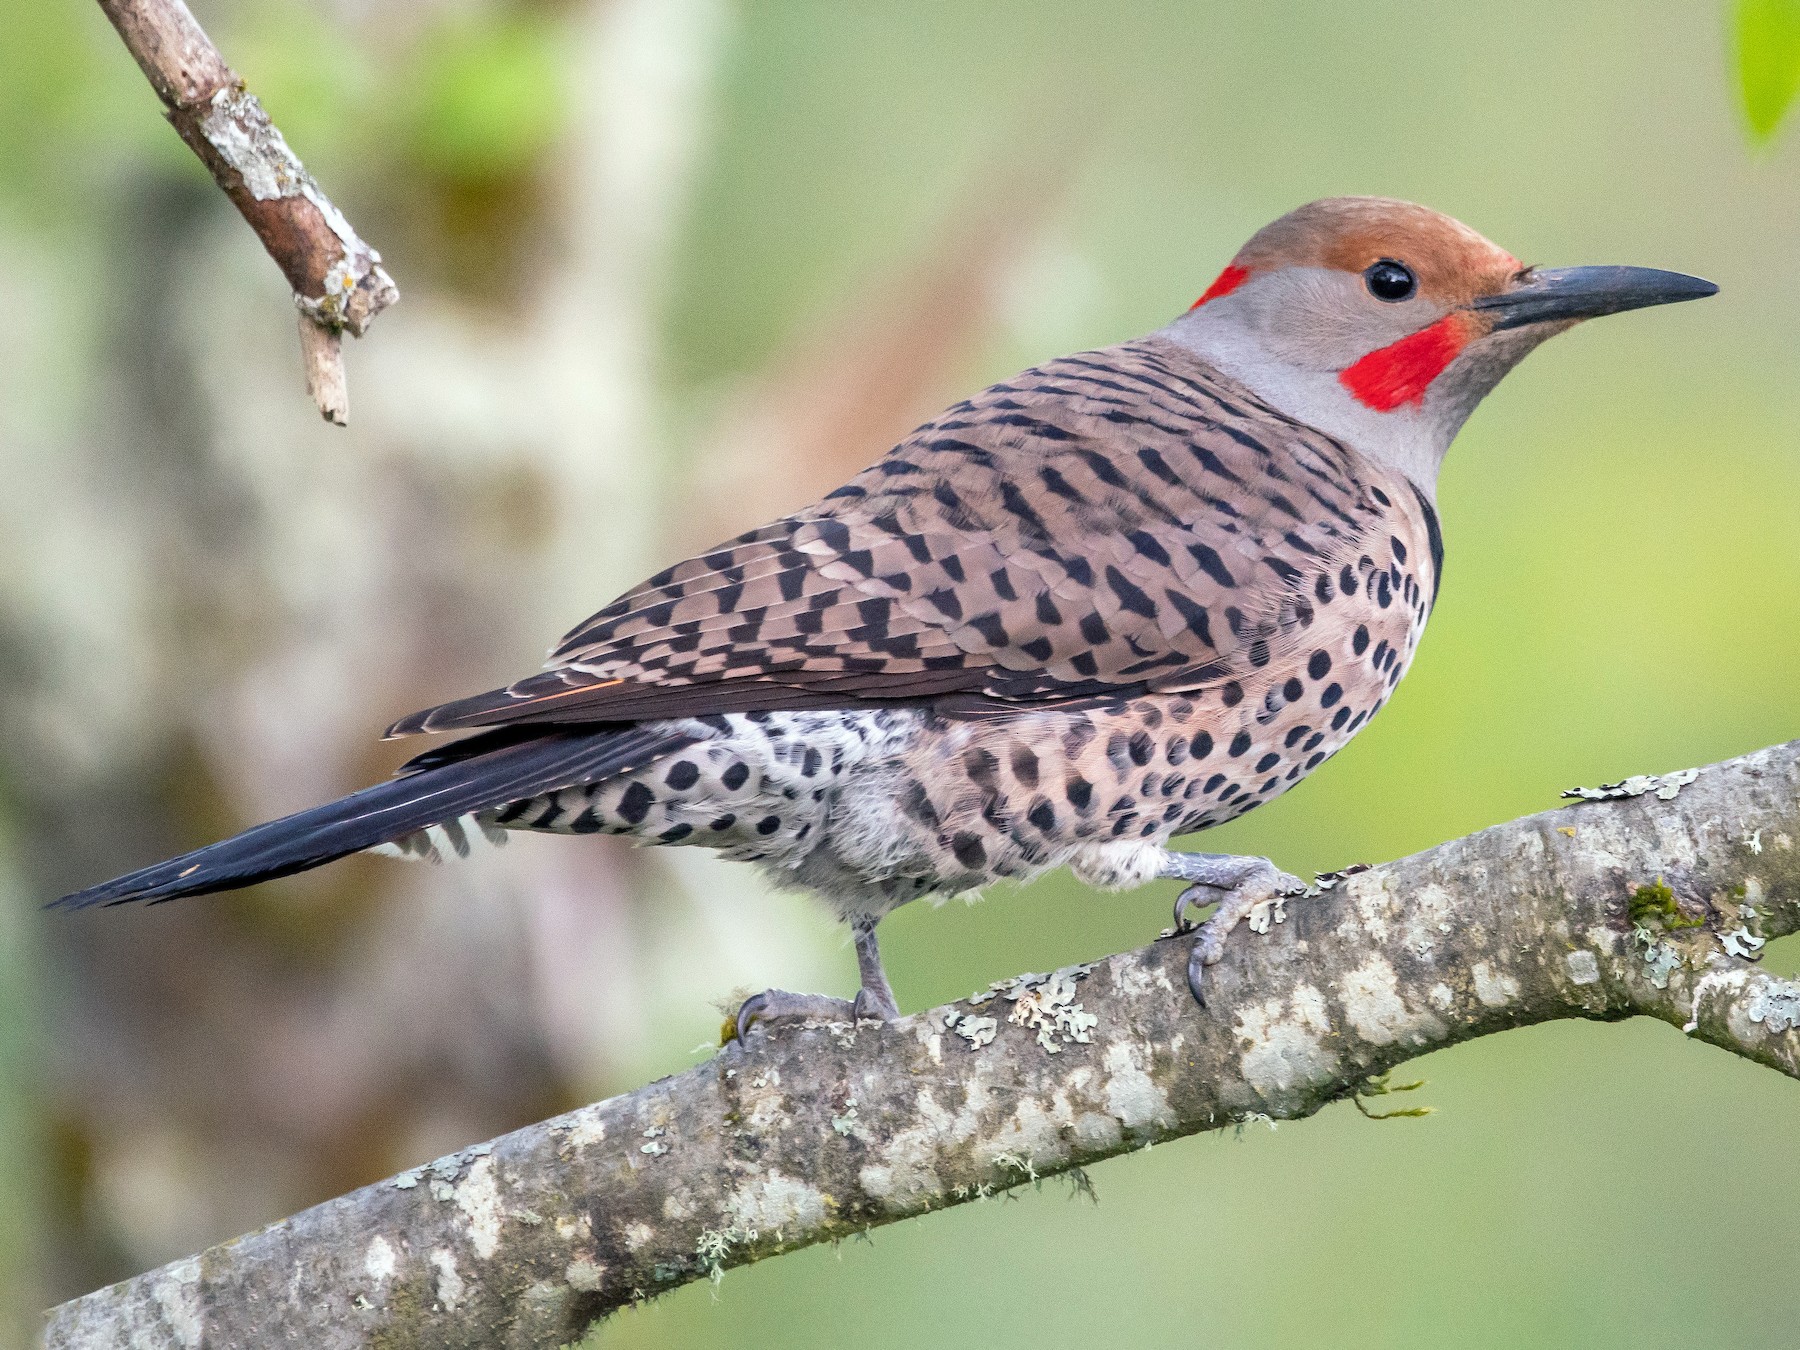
column 71, row 104
column 1768, row 54
column 315, row 80
column 487, row 94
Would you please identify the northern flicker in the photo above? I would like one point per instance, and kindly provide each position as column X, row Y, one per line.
column 1120, row 597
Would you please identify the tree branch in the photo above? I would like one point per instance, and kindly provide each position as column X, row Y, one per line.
column 337, row 279
column 1607, row 909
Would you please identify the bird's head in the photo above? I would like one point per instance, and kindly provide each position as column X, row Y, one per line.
column 1384, row 323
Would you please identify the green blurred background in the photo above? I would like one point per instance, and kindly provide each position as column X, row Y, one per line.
column 671, row 267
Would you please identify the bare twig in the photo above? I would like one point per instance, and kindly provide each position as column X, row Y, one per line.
column 337, row 279
column 322, row 353
column 816, row 1133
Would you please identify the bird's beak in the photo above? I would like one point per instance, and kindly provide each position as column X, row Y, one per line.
column 1564, row 294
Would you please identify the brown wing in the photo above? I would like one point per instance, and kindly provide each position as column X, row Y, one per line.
column 1106, row 523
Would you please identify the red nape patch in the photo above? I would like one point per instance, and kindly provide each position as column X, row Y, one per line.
column 1224, row 284
column 1402, row 371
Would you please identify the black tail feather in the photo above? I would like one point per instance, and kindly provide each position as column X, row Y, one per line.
column 427, row 795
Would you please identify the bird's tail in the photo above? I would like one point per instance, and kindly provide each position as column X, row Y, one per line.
column 439, row 786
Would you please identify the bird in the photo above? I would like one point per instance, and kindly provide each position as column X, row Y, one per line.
column 1121, row 597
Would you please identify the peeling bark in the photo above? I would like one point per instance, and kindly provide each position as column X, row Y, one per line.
column 337, row 279
column 1632, row 905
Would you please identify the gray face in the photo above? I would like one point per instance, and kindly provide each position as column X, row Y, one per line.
column 1318, row 318
column 1290, row 334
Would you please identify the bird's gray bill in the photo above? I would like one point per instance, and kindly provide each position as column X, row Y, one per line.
column 1559, row 294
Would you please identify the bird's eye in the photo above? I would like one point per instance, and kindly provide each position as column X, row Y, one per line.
column 1389, row 280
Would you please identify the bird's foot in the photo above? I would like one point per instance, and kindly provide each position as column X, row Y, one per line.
column 1238, row 885
column 774, row 1006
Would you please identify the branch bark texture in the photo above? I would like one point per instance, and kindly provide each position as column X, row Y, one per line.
column 1646, row 903
column 338, row 282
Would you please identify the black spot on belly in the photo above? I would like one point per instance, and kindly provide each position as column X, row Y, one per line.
column 636, row 804
column 682, row 775
column 810, row 765
column 1201, row 746
column 1267, row 762
column 1075, row 739
column 723, row 823
column 1359, row 643
column 768, row 825
column 1292, row 690
column 675, row 834
column 1231, row 694
column 736, row 776
column 1043, row 816
column 917, row 805
column 1319, row 666
column 1080, row 792
column 1142, row 748
column 981, row 766
column 969, row 851
column 1240, row 743
column 1025, row 766
column 1333, row 692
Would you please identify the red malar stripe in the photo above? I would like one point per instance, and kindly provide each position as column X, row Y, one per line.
column 1402, row 371
column 1224, row 284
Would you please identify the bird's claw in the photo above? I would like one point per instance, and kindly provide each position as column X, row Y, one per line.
column 1260, row 880
column 780, row 1005
column 872, row 1005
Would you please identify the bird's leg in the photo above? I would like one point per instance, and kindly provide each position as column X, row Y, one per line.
column 876, row 997
column 874, row 1001
column 1238, row 884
